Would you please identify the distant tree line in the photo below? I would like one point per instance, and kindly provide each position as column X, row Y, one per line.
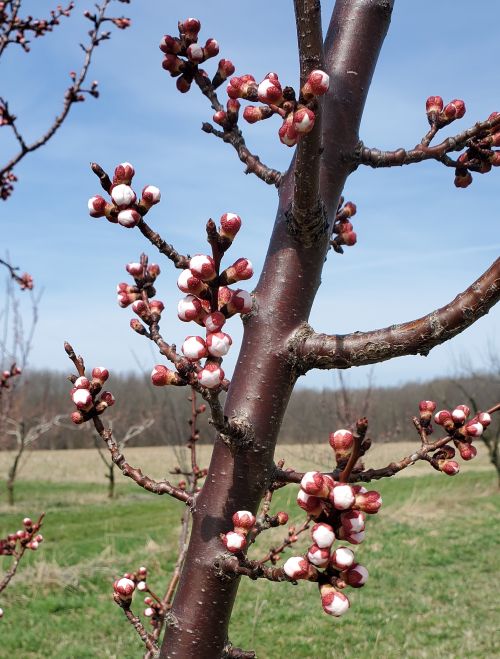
column 311, row 415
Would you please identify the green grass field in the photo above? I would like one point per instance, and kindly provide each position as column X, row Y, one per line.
column 432, row 553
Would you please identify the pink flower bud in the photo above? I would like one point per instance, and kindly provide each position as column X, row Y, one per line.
column 82, row 398
column 253, row 114
column 134, row 269
column 240, row 270
column 317, row 84
column 342, row 497
column 129, row 218
column 194, row 348
column 458, row 415
column 190, row 27
column 218, row 343
column 297, row 567
column 334, row 603
column 189, row 308
column 449, row 467
column 230, row 224
column 484, row 419
column 124, row 173
column 282, row 518
column 203, row 267
column 97, row 206
column 313, row 483
column 427, row 406
column 269, row 91
column 341, row 442
column 287, row 133
column 434, row 105
column 368, row 502
column 156, row 307
column 353, row 538
column 1, row 613
column 141, row 309
column 77, row 418
column 39, row 538
column 243, row 519
column 342, row 558
column 312, row 505
column 323, row 535
column 349, row 238
column 100, row 374
column 189, row 283
column 234, row 541
column 123, row 195
column 303, row 121
column 453, row 110
column 356, row 576
column 240, row 302
column 149, row 612
column 225, row 69
column 170, row 45
column 124, row 588
column 33, row 545
column 108, row 398
column 81, row 383
column 353, row 521
column 174, row 65
column 214, row 321
column 474, row 429
column 28, row 522
column 211, row 375
column 142, row 586
column 444, row 418
column 162, row 376
column 318, row 556
column 151, row 195
column 467, row 451
column 220, row 117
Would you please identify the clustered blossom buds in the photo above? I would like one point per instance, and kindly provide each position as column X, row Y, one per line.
column 7, row 375
column 439, row 114
column 479, row 156
column 125, row 587
column 88, row 397
column 184, row 54
column 26, row 538
column 7, row 180
column 298, row 116
column 461, row 429
column 340, row 511
column 20, row 28
column 209, row 302
column 342, row 227
column 124, row 207
column 235, row 540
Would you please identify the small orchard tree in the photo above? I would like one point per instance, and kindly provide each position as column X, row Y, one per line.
column 232, row 509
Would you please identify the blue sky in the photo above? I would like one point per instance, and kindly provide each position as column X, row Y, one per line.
column 421, row 241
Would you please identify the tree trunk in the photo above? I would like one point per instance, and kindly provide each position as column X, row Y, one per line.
column 265, row 374
column 11, row 478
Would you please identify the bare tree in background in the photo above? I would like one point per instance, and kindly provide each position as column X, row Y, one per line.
column 232, row 509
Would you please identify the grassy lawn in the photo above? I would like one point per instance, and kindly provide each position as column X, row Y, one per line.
column 432, row 553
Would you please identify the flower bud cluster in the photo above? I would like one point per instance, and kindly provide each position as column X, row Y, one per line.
column 461, row 429
column 19, row 28
column 184, row 54
column 7, row 375
column 235, row 540
column 125, row 587
column 298, row 116
column 7, row 180
column 87, row 396
column 340, row 512
column 209, row 302
column 124, row 207
column 28, row 537
column 439, row 114
column 479, row 156
column 342, row 227
column 338, row 565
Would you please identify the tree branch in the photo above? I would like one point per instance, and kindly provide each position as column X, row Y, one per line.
column 306, row 208
column 399, row 157
column 415, row 337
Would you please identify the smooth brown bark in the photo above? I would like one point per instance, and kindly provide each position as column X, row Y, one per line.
column 415, row 337
column 265, row 374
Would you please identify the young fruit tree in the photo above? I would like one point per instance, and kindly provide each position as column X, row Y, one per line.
column 232, row 508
